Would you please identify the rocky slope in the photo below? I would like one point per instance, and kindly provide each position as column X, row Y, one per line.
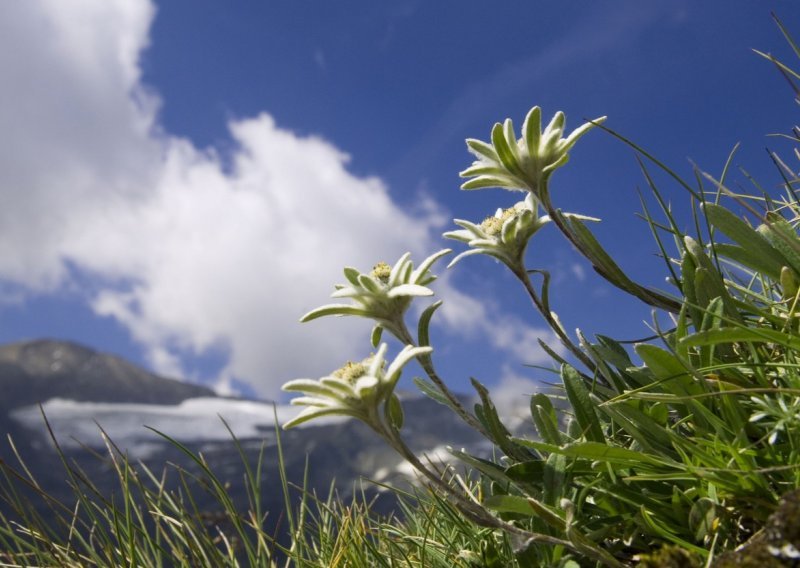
column 37, row 371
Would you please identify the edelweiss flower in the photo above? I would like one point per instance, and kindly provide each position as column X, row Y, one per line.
column 505, row 235
column 356, row 390
column 525, row 164
column 383, row 295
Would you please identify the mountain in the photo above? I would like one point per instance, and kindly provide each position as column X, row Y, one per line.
column 37, row 371
column 81, row 390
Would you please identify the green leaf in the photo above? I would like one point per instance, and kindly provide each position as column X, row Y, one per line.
column 597, row 254
column 555, row 472
column 610, row 376
column 753, row 245
column 676, row 378
column 702, row 517
column 530, row 472
column 661, row 530
column 704, row 288
column 542, row 447
column 639, row 426
column 424, row 324
column 624, row 457
column 551, row 515
column 585, row 241
column 432, row 391
column 582, row 404
column 394, row 411
column 742, row 256
column 737, row 334
column 487, row 414
column 783, row 236
column 712, row 319
column 670, row 372
column 553, row 355
column 508, row 504
column 491, row 470
column 708, row 281
column 613, row 352
column 545, row 418
column 688, row 287
column 375, row 336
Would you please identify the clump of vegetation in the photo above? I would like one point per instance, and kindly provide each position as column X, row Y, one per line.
column 674, row 453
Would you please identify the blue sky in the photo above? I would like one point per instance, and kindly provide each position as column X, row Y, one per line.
column 182, row 180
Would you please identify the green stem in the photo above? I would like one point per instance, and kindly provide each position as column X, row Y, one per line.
column 651, row 298
column 522, row 274
column 426, row 361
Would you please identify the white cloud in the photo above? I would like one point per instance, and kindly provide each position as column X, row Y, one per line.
column 578, row 271
column 475, row 318
column 511, row 395
column 188, row 254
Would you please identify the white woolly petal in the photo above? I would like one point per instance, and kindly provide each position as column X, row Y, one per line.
column 314, row 401
column 407, row 354
column 349, row 292
column 463, row 236
column 365, row 385
column 376, row 365
column 340, row 386
column 426, row 264
column 469, row 225
column 311, row 413
column 310, row 387
column 488, row 242
column 398, row 269
column 409, row 290
column 464, row 254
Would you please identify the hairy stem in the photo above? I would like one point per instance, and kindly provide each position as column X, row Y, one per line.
column 426, row 361
column 522, row 275
column 651, row 298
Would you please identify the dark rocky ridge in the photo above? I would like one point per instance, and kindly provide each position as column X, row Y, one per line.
column 35, row 371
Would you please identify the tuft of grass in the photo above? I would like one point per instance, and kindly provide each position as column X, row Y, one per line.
column 153, row 520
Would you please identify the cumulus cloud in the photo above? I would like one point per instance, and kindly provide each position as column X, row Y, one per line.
column 482, row 318
column 76, row 124
column 511, row 395
column 188, row 253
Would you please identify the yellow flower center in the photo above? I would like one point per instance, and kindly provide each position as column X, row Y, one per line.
column 381, row 271
column 351, row 371
column 494, row 224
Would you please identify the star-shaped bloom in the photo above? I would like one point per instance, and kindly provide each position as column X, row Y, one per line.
column 357, row 389
column 382, row 295
column 506, row 234
column 525, row 164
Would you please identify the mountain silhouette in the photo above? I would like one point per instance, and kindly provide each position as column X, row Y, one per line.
column 32, row 372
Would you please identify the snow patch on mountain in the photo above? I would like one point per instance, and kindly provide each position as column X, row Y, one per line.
column 193, row 420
